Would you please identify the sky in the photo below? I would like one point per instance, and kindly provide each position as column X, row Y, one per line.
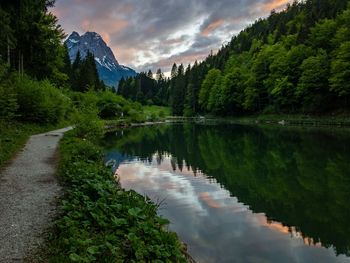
column 152, row 34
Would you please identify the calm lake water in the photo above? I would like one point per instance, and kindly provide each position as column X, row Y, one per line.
column 238, row 193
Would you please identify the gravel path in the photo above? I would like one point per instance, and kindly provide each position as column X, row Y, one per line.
column 28, row 191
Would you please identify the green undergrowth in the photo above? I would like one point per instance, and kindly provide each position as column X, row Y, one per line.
column 101, row 222
column 13, row 136
column 298, row 119
column 154, row 112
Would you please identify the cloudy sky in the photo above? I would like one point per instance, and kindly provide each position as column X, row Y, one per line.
column 151, row 34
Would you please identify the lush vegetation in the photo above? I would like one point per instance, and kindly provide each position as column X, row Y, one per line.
column 154, row 112
column 100, row 221
column 13, row 136
column 40, row 88
column 295, row 61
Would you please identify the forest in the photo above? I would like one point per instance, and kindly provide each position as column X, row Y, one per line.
column 38, row 82
column 40, row 91
column 296, row 61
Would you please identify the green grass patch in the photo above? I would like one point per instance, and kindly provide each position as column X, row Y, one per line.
column 101, row 222
column 298, row 119
column 13, row 135
column 154, row 112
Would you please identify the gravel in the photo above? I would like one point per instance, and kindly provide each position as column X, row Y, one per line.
column 28, row 194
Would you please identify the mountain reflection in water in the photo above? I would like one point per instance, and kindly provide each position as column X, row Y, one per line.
column 244, row 194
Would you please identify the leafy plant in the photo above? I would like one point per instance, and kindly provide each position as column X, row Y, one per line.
column 100, row 221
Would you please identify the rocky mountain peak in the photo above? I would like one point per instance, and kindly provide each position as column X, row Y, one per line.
column 107, row 65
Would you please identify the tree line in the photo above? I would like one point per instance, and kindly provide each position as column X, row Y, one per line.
column 38, row 82
column 31, row 43
column 294, row 61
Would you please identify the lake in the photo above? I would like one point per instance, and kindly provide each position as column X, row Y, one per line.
column 236, row 193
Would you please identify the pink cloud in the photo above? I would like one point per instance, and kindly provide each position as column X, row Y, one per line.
column 204, row 196
column 275, row 4
column 212, row 27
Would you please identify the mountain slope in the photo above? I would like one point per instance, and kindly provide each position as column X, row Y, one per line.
column 110, row 71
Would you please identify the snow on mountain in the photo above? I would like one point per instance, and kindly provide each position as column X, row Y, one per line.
column 107, row 66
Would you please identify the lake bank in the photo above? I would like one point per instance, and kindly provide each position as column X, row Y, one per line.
column 101, row 221
column 262, row 120
column 297, row 120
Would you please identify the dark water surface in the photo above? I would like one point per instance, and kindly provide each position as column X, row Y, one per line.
column 238, row 193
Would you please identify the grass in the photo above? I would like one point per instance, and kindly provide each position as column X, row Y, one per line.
column 149, row 114
column 298, row 119
column 154, row 112
column 101, row 222
column 13, row 135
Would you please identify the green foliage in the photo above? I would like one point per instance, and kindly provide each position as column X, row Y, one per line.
column 83, row 74
column 101, row 222
column 34, row 37
column 8, row 96
column 261, row 69
column 313, row 83
column 206, row 90
column 40, row 101
column 340, row 70
column 25, row 99
column 13, row 136
column 8, row 103
column 107, row 106
column 155, row 112
column 322, row 33
column 144, row 89
column 110, row 105
column 88, row 125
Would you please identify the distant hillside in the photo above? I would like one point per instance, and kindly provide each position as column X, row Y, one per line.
column 109, row 70
column 296, row 61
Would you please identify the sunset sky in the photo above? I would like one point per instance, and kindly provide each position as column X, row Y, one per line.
column 151, row 34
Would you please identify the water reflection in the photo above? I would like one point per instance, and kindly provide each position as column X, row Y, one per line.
column 242, row 194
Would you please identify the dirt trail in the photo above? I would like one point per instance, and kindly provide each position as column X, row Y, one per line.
column 28, row 191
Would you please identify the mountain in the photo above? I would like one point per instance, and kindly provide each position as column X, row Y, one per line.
column 109, row 70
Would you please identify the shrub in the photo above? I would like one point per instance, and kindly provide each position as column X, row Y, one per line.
column 110, row 105
column 101, row 222
column 8, row 95
column 40, row 101
column 88, row 125
column 8, row 103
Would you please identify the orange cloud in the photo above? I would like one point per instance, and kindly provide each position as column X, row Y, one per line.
column 106, row 37
column 211, row 27
column 116, row 26
column 275, row 4
column 124, row 54
column 209, row 200
column 86, row 25
column 98, row 25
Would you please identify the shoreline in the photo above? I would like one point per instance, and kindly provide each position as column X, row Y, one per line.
column 274, row 120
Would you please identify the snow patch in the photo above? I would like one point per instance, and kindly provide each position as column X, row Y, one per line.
column 98, row 61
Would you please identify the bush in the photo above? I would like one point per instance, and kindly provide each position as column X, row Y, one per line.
column 110, row 105
column 88, row 125
column 101, row 222
column 8, row 103
column 8, row 95
column 40, row 101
